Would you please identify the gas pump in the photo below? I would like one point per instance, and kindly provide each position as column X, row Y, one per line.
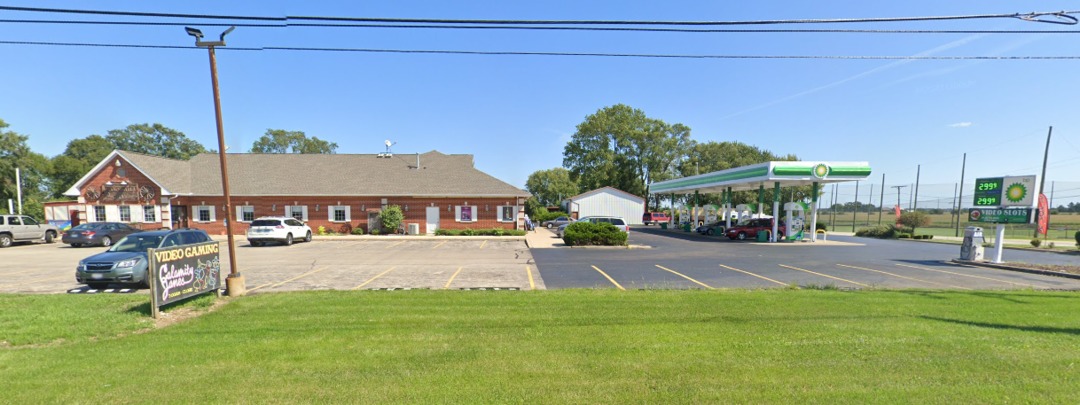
column 796, row 220
column 972, row 248
column 743, row 212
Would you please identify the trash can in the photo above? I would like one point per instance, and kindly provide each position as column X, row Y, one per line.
column 763, row 236
column 686, row 227
column 663, row 225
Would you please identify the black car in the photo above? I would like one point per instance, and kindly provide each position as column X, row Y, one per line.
column 97, row 233
column 127, row 261
column 714, row 228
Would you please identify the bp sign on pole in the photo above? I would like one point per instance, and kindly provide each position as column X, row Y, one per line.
column 1008, row 191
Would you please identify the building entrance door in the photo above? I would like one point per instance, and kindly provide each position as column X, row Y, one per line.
column 432, row 220
column 373, row 221
column 179, row 216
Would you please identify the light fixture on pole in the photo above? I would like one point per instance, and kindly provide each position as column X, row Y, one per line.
column 234, row 283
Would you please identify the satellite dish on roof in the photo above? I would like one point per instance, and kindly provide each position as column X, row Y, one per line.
column 388, row 145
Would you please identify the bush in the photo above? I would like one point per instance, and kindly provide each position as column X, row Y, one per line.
column 375, row 232
column 1050, row 245
column 915, row 219
column 904, row 236
column 1036, row 242
column 1077, row 236
column 358, row 231
column 546, row 216
column 480, row 232
column 321, row 230
column 391, row 218
column 587, row 233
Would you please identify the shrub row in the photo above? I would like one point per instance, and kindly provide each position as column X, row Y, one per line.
column 587, row 233
column 885, row 232
column 480, row 232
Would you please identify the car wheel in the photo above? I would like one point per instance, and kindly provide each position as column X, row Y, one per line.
column 709, row 232
column 5, row 240
column 50, row 237
column 106, row 241
column 288, row 239
column 76, row 245
column 308, row 237
column 742, row 236
column 98, row 286
column 549, row 226
column 256, row 244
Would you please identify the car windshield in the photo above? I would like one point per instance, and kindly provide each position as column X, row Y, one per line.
column 137, row 243
column 266, row 222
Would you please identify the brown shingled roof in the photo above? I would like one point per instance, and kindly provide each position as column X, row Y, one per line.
column 252, row 174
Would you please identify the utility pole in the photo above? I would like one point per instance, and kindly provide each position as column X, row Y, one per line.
column 898, row 195
column 881, row 199
column 960, row 199
column 234, row 283
column 918, row 171
column 953, row 206
column 871, row 204
column 855, row 213
column 1042, row 178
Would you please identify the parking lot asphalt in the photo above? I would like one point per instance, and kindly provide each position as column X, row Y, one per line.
column 680, row 260
column 390, row 263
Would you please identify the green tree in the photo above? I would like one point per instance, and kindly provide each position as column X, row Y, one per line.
column 551, row 186
column 155, row 139
column 914, row 219
column 282, row 141
column 621, row 147
column 33, row 170
column 78, row 158
column 391, row 218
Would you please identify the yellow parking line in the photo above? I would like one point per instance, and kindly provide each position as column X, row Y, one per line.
column 451, row 280
column 684, row 276
column 903, row 277
column 440, row 244
column 373, row 278
column 482, row 244
column 965, row 275
column 297, row 277
column 824, row 275
column 532, row 284
column 752, row 274
column 261, row 286
column 609, row 278
column 398, row 243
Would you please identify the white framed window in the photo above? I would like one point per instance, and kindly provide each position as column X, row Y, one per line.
column 245, row 213
column 149, row 213
column 204, row 213
column 507, row 213
column 465, row 213
column 99, row 213
column 299, row 212
column 125, row 213
column 339, row 213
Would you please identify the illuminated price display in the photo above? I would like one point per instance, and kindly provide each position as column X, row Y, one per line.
column 988, row 191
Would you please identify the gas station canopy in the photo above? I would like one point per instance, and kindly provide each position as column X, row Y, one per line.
column 786, row 173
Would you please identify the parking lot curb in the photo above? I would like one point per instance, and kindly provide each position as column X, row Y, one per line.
column 1018, row 269
column 396, row 238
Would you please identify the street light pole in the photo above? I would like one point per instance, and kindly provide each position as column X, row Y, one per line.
column 234, row 283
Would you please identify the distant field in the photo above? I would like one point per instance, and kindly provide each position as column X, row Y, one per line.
column 1062, row 226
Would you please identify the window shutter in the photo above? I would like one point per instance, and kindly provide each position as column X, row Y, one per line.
column 112, row 213
column 304, row 208
column 288, row 211
column 330, row 212
column 90, row 213
column 457, row 213
column 213, row 212
column 348, row 213
column 475, row 213
column 136, row 213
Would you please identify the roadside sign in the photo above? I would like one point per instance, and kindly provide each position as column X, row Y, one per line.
column 1000, row 215
column 1009, row 191
column 185, row 271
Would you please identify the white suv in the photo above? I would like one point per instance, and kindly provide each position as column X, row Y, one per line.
column 277, row 229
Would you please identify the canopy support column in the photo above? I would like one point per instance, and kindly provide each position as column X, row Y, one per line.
column 813, row 213
column 695, row 214
column 761, row 199
column 727, row 208
column 775, row 212
column 671, row 218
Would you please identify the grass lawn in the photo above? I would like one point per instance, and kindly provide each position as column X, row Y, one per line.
column 566, row 346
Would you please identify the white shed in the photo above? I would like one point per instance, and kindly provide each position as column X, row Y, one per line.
column 607, row 201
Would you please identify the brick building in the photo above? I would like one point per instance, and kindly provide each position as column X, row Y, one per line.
column 338, row 192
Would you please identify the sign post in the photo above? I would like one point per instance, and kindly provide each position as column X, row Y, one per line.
column 1003, row 200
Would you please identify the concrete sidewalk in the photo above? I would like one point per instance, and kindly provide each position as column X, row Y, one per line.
column 543, row 238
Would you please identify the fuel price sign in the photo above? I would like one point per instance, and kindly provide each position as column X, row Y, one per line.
column 1011, row 191
column 988, row 191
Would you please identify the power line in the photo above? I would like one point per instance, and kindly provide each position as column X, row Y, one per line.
column 1060, row 17
column 523, row 53
column 539, row 28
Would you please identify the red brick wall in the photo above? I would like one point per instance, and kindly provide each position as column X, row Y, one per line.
column 417, row 213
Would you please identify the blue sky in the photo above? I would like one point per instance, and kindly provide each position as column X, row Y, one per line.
column 515, row 113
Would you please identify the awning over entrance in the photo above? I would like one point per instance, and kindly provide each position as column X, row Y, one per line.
column 787, row 173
